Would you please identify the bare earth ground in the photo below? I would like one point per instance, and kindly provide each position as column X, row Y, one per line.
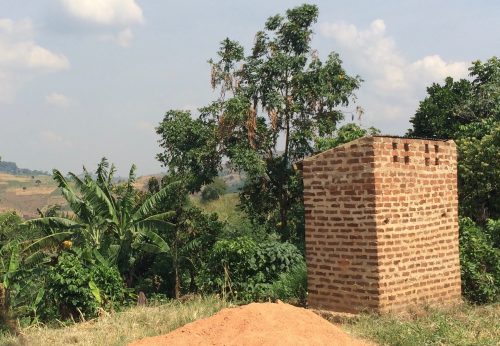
column 255, row 324
column 24, row 194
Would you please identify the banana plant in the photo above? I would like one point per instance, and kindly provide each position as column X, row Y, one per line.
column 115, row 224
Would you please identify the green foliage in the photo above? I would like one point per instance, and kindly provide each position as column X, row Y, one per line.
column 280, row 89
column 458, row 103
column 153, row 185
column 242, row 268
column 78, row 288
column 480, row 263
column 479, row 169
column 114, row 220
column 213, row 190
column 9, row 227
column 437, row 116
column 344, row 134
column 190, row 148
column 469, row 112
column 290, row 286
column 493, row 230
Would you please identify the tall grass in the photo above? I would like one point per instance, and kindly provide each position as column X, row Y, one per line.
column 121, row 328
column 460, row 325
column 226, row 209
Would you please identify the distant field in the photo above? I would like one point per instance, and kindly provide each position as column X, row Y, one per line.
column 24, row 194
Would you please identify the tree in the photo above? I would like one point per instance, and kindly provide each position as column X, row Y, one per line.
column 469, row 112
column 153, row 185
column 479, row 170
column 437, row 115
column 458, row 103
column 272, row 104
column 213, row 190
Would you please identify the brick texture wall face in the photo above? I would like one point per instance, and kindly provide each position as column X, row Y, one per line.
column 382, row 225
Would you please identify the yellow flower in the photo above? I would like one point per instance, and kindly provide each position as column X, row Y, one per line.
column 67, row 244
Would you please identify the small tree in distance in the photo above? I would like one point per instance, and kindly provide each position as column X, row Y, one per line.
column 214, row 190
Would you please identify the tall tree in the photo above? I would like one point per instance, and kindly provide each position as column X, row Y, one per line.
column 272, row 104
column 468, row 111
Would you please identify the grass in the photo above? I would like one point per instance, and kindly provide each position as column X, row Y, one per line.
column 460, row 325
column 121, row 328
column 226, row 209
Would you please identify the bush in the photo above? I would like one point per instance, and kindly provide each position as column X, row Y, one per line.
column 480, row 264
column 243, row 269
column 291, row 286
column 214, row 190
column 76, row 288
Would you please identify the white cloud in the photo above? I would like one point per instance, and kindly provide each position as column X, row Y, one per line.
column 20, row 55
column 393, row 84
column 19, row 50
column 120, row 14
column 57, row 100
column 123, row 38
column 105, row 12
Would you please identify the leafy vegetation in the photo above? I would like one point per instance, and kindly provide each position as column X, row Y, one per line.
column 469, row 112
column 277, row 104
column 214, row 190
column 242, row 268
column 281, row 88
column 480, row 262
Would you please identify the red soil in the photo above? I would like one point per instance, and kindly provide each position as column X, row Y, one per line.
column 257, row 324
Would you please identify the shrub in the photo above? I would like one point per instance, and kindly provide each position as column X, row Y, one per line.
column 243, row 269
column 480, row 264
column 291, row 286
column 214, row 190
column 77, row 288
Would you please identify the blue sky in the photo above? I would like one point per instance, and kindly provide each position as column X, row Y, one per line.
column 82, row 79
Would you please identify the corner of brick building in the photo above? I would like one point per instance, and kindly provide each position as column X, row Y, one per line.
column 382, row 225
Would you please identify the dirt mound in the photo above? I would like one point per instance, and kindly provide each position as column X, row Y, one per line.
column 257, row 324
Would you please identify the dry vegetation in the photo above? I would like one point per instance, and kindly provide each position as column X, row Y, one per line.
column 461, row 325
column 121, row 328
column 24, row 194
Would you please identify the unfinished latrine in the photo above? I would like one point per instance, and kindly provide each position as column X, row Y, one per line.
column 382, row 225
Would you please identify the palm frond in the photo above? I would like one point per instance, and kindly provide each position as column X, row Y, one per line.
column 98, row 200
column 155, row 243
column 151, row 204
column 166, row 216
column 76, row 204
column 51, row 222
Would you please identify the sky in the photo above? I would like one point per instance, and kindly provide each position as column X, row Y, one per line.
column 83, row 79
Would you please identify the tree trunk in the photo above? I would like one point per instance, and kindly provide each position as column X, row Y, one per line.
column 177, row 287
column 5, row 314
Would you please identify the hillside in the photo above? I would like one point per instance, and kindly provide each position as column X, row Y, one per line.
column 26, row 193
column 11, row 168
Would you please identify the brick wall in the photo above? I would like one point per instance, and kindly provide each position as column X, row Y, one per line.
column 382, row 225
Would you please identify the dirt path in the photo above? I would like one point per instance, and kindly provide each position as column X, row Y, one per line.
column 257, row 324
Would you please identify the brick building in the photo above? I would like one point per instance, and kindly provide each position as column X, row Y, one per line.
column 382, row 225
